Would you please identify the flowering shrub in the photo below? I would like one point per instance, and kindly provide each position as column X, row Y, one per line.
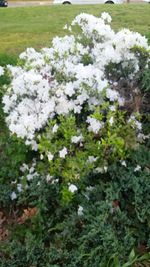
column 65, row 101
column 71, row 76
column 81, row 106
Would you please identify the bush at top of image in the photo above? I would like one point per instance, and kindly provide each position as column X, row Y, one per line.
column 82, row 108
column 79, row 72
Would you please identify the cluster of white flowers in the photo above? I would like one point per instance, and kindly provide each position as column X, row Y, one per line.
column 92, row 159
column 94, row 125
column 29, row 172
column 137, row 168
column 113, row 95
column 55, row 81
column 77, row 139
column 63, row 153
column 72, row 188
column 135, row 123
column 80, row 211
column 50, row 156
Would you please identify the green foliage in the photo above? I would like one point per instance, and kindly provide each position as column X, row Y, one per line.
column 145, row 80
column 115, row 219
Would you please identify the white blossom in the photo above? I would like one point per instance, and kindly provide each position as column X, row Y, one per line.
column 105, row 168
column 55, row 128
column 49, row 178
column 76, row 139
column 137, row 168
column 29, row 176
column 123, row 163
column 72, row 188
column 92, row 159
column 41, row 156
column 63, row 153
column 1, row 71
column 50, row 156
column 135, row 123
column 112, row 95
column 55, row 181
column 112, row 108
column 80, row 211
column 105, row 16
column 13, row 195
column 94, row 125
column 65, row 27
column 19, row 187
column 101, row 169
column 111, row 121
column 24, row 167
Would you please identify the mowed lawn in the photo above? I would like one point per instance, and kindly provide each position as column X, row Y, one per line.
column 36, row 26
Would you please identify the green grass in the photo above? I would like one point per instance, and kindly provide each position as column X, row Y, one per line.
column 36, row 26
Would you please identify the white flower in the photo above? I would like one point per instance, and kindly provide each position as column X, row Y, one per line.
column 14, row 182
column 70, row 29
column 69, row 90
column 138, row 125
column 101, row 169
column 13, row 195
column 111, row 121
column 112, row 95
column 77, row 139
column 123, row 163
column 80, row 211
column 49, row 178
column 50, row 156
column 55, row 128
column 63, row 153
column 24, row 167
column 137, row 168
column 34, row 145
column 30, row 176
column 31, row 170
column 112, row 108
column 105, row 16
column 135, row 123
column 19, row 187
column 92, row 159
column 65, row 27
column 105, row 168
column 41, row 156
column 95, row 125
column 55, row 181
column 1, row 71
column 143, row 136
column 72, row 188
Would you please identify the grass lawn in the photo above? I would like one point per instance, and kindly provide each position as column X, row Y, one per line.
column 36, row 26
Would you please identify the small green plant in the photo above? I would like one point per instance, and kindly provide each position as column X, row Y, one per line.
column 132, row 260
